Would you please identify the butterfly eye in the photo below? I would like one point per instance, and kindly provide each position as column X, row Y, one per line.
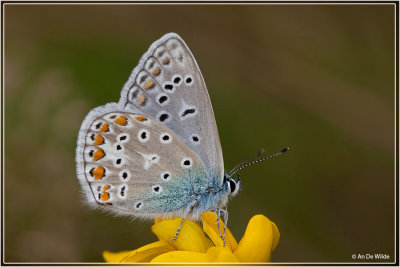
column 166, row 176
column 232, row 185
column 186, row 163
column 188, row 80
column 143, row 135
column 165, row 138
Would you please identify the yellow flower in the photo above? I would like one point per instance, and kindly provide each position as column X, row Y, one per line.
column 192, row 245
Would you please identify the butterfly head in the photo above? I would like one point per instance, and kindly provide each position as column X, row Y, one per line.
column 234, row 184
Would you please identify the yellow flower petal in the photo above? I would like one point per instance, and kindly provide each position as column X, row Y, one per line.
column 115, row 256
column 147, row 255
column 142, row 254
column 156, row 244
column 276, row 236
column 258, row 241
column 190, row 238
column 220, row 254
column 181, row 256
column 211, row 228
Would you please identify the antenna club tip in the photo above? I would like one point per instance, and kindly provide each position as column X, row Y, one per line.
column 285, row 149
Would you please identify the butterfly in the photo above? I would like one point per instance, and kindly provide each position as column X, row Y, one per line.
column 156, row 154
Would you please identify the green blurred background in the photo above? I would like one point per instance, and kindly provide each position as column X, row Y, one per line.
column 319, row 78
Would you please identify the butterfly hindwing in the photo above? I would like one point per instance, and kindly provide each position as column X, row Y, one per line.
column 132, row 164
column 168, row 86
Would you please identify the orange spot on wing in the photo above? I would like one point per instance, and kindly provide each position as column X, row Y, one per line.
column 156, row 71
column 98, row 173
column 121, row 120
column 106, row 187
column 105, row 196
column 98, row 154
column 104, row 128
column 99, row 140
column 149, row 84
column 141, row 118
column 165, row 61
column 141, row 99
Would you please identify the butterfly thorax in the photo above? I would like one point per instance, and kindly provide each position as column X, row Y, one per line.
column 204, row 193
column 214, row 195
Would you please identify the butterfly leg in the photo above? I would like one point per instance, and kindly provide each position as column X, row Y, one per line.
column 218, row 212
column 225, row 212
column 179, row 229
column 186, row 213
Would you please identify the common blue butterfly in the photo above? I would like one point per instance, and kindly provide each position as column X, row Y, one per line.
column 156, row 153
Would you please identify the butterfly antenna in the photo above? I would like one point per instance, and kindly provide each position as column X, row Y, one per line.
column 259, row 160
column 246, row 161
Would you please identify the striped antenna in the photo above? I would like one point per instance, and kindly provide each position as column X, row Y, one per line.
column 246, row 161
column 257, row 161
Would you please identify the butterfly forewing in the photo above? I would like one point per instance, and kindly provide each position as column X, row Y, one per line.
column 133, row 164
column 168, row 86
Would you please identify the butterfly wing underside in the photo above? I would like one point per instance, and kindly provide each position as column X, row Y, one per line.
column 168, row 85
column 131, row 164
